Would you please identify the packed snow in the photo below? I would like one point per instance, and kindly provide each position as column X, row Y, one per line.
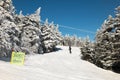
column 58, row 65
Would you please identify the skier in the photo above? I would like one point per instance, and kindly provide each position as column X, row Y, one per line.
column 69, row 44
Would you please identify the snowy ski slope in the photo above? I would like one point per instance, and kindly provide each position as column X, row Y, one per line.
column 59, row 65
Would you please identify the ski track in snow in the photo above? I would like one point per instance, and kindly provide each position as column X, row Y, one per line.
column 59, row 65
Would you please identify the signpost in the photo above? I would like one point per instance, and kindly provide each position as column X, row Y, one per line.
column 17, row 58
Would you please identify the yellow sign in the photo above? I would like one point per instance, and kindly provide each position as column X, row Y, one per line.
column 17, row 58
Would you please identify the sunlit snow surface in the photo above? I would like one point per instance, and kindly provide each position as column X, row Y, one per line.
column 59, row 65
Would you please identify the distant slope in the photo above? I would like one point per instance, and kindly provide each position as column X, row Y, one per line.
column 59, row 65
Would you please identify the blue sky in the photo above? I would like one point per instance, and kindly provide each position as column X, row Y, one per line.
column 87, row 15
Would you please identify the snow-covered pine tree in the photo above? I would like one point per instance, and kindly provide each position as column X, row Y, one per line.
column 8, row 29
column 105, row 52
column 72, row 40
column 57, row 34
column 65, row 40
column 75, row 41
column 23, row 33
column 47, row 38
column 50, row 35
column 30, row 36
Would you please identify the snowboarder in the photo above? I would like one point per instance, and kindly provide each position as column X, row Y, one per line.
column 69, row 44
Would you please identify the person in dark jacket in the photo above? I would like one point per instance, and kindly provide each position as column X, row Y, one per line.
column 69, row 44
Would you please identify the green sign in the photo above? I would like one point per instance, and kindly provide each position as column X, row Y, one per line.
column 17, row 58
